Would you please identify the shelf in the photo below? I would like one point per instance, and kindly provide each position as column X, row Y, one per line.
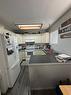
column 65, row 29
column 65, row 35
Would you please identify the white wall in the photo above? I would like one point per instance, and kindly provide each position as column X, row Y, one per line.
column 38, row 38
column 64, row 45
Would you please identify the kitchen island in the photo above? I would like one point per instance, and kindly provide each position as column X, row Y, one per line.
column 45, row 72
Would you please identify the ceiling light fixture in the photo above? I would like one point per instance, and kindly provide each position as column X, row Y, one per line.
column 26, row 27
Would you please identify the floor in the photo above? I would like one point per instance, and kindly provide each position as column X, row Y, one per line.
column 21, row 85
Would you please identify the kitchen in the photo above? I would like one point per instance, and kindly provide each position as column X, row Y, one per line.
column 38, row 49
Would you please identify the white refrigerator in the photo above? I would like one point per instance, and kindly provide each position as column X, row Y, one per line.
column 9, row 61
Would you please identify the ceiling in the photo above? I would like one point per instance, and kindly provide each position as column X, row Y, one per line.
column 32, row 12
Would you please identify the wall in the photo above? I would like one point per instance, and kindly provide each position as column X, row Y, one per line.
column 38, row 38
column 64, row 45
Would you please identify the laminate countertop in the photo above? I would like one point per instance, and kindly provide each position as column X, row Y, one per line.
column 49, row 58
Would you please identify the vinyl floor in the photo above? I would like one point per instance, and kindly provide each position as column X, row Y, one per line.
column 22, row 84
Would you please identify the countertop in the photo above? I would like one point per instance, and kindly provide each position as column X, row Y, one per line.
column 49, row 58
column 39, row 57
